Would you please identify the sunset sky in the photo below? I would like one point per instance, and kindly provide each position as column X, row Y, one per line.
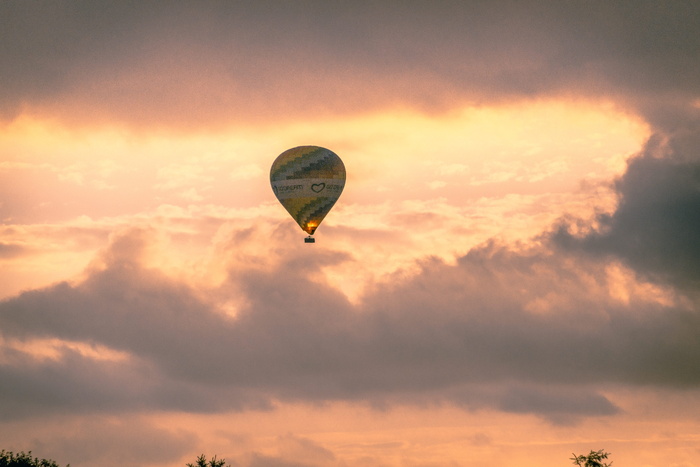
column 511, row 275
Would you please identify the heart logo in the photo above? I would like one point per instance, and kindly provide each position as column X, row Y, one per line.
column 318, row 187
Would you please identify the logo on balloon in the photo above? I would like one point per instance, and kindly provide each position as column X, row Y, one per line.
column 318, row 187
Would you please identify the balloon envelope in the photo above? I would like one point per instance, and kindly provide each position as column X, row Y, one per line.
column 307, row 181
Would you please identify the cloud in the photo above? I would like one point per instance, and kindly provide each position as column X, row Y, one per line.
column 295, row 447
column 559, row 406
column 657, row 224
column 486, row 332
column 11, row 250
column 261, row 460
column 128, row 441
column 215, row 62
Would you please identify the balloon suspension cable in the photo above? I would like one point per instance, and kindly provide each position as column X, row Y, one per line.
column 309, row 239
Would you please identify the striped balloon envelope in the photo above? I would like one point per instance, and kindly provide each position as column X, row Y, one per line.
column 307, row 181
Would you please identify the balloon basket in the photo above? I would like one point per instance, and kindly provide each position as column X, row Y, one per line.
column 309, row 239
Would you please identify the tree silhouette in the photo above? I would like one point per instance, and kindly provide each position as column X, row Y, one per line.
column 593, row 459
column 22, row 459
column 202, row 462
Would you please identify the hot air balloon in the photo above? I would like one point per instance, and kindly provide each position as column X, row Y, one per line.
column 307, row 181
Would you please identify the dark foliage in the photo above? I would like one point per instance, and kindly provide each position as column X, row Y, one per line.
column 22, row 459
column 202, row 462
column 593, row 459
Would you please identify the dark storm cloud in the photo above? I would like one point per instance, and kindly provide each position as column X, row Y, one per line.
column 657, row 224
column 560, row 405
column 489, row 332
column 198, row 62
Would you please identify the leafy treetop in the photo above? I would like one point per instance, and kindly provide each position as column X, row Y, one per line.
column 202, row 462
column 593, row 459
column 22, row 459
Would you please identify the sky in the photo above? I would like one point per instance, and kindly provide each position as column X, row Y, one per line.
column 511, row 275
